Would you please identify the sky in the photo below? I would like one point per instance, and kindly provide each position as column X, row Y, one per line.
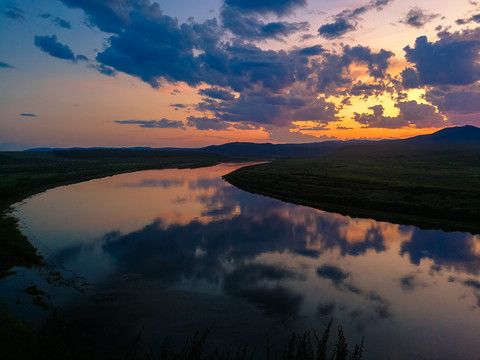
column 187, row 73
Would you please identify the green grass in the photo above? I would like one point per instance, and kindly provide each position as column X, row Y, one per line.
column 431, row 189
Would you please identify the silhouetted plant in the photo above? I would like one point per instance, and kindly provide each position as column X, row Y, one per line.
column 322, row 344
column 341, row 350
column 299, row 347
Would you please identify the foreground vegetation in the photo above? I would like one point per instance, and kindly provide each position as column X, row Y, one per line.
column 23, row 174
column 57, row 339
column 414, row 185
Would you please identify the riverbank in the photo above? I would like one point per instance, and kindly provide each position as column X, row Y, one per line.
column 429, row 189
column 23, row 174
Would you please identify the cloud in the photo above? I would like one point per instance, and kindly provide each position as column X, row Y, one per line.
column 360, row 88
column 252, row 283
column 206, row 123
column 420, row 115
column 410, row 78
column 155, row 48
column 326, row 309
column 266, row 108
column 333, row 273
column 277, row 87
column 28, row 115
column 417, row 17
column 377, row 62
column 336, row 29
column 216, row 93
column 5, row 65
column 455, row 250
column 347, row 20
column 474, row 18
column 57, row 20
column 51, row 46
column 411, row 113
column 278, row 7
column 102, row 69
column 408, row 282
column 311, row 50
column 333, row 72
column 162, row 124
column 180, row 106
column 453, row 60
column 286, row 135
column 465, row 100
column 13, row 13
column 251, row 28
column 472, row 283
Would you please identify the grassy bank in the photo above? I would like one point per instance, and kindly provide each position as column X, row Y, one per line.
column 430, row 188
column 23, row 174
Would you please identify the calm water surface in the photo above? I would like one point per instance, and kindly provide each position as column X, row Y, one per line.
column 172, row 251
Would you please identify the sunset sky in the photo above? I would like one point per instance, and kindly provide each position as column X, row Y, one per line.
column 193, row 73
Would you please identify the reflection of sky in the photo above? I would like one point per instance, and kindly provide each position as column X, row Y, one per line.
column 189, row 230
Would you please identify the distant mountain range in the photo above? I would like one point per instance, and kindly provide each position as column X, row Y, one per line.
column 454, row 135
column 446, row 138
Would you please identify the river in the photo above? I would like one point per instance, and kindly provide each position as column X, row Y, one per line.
column 168, row 252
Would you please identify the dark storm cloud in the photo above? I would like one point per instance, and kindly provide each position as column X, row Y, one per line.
column 411, row 113
column 5, row 65
column 51, row 46
column 347, row 20
column 278, row 7
column 216, row 93
column 453, row 60
column 251, row 28
column 417, row 17
column 28, row 115
column 162, row 124
column 13, row 13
